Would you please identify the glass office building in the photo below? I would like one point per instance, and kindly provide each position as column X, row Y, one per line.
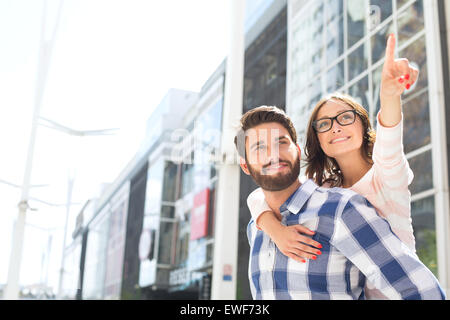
column 176, row 242
column 264, row 84
column 339, row 45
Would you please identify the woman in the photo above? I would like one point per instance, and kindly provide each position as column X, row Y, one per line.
column 341, row 152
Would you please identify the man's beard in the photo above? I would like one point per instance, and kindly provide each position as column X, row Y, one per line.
column 278, row 181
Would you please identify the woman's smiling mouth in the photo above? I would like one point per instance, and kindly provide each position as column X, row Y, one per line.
column 338, row 140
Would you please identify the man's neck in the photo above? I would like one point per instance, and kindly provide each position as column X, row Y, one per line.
column 276, row 198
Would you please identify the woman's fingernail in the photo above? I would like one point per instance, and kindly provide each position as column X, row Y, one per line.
column 408, row 86
column 314, row 258
column 319, row 246
column 319, row 252
column 401, row 80
column 407, row 77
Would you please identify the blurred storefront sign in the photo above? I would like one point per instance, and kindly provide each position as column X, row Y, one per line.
column 199, row 216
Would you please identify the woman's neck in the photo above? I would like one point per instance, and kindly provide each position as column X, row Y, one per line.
column 353, row 167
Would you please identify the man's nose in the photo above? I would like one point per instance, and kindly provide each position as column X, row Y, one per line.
column 273, row 154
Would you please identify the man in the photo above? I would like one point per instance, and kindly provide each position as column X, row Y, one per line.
column 357, row 244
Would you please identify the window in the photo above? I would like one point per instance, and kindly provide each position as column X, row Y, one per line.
column 381, row 9
column 417, row 54
column 356, row 21
column 170, row 181
column 358, row 61
column 378, row 41
column 410, row 22
column 423, row 218
column 423, row 172
column 166, row 242
column 95, row 263
column 154, row 187
column 265, row 66
column 360, row 91
column 416, row 122
column 318, row 66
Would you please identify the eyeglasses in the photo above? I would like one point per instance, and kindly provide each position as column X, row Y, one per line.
column 345, row 118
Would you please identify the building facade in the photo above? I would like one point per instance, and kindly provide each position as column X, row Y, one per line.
column 264, row 84
column 339, row 45
column 176, row 242
column 151, row 233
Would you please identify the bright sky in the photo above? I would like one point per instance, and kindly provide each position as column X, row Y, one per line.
column 112, row 63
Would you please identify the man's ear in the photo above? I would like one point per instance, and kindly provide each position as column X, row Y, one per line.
column 244, row 166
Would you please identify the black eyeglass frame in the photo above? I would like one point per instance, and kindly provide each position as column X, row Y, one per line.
column 335, row 118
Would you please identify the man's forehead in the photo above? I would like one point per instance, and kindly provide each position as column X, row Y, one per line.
column 268, row 130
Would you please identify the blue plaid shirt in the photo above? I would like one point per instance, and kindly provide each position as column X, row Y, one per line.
column 358, row 245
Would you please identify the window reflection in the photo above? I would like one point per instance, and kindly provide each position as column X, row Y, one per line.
column 315, row 92
column 376, row 85
column 410, row 22
column 307, row 50
column 423, row 172
column 335, row 30
column 360, row 92
column 380, row 10
column 416, row 54
column 422, row 212
column 187, row 180
column 401, row 3
column 170, row 181
column 335, row 77
column 166, row 234
column 168, row 211
column 356, row 21
column 154, row 187
column 416, row 123
column 182, row 248
column 265, row 66
column 378, row 41
column 357, row 61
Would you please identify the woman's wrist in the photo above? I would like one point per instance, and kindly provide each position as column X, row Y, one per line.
column 390, row 111
column 269, row 223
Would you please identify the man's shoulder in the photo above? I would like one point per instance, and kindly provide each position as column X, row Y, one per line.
column 337, row 192
column 338, row 198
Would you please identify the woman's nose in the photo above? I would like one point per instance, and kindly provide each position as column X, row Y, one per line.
column 336, row 127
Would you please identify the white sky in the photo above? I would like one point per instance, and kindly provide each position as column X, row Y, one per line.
column 112, row 63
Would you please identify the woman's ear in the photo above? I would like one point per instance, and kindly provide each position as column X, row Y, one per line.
column 244, row 166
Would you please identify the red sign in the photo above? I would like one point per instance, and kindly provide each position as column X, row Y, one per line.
column 199, row 215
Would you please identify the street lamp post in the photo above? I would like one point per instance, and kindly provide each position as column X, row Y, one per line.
column 45, row 50
column 70, row 183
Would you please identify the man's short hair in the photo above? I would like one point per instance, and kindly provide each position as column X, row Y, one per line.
column 257, row 116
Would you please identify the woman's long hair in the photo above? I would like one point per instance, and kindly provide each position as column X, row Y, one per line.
column 321, row 168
